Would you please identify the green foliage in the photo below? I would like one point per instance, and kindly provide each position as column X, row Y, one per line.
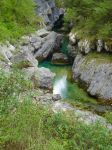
column 22, row 64
column 17, row 18
column 11, row 86
column 27, row 126
column 108, row 116
column 59, row 3
column 90, row 18
column 33, row 127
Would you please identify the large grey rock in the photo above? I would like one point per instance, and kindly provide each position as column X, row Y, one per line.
column 73, row 45
column 100, row 45
column 58, row 42
column 10, row 46
column 36, row 42
column 86, row 117
column 41, row 43
column 24, row 60
column 45, row 98
column 31, row 73
column 47, row 47
column 24, row 40
column 72, row 50
column 85, row 46
column 38, row 96
column 42, row 33
column 27, row 48
column 45, row 78
column 41, row 77
column 96, row 76
column 6, row 51
column 6, row 67
column 60, row 58
column 48, row 11
column 73, row 38
column 56, row 97
column 30, row 43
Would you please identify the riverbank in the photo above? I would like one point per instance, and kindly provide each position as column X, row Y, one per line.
column 72, row 92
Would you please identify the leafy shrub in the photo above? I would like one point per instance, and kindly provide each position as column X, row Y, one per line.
column 17, row 18
column 11, row 86
column 34, row 127
column 59, row 3
column 108, row 116
column 27, row 126
column 91, row 19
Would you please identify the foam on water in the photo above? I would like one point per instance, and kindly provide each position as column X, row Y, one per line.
column 60, row 86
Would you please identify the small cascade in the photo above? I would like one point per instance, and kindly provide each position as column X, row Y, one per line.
column 60, row 86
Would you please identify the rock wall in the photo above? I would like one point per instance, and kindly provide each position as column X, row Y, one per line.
column 86, row 46
column 25, row 55
column 96, row 74
column 40, row 45
column 86, row 117
column 48, row 11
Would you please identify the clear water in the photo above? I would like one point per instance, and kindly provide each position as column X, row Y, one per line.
column 64, row 85
column 69, row 90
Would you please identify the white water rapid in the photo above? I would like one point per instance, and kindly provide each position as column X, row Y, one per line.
column 60, row 86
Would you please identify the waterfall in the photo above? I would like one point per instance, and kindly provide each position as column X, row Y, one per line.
column 60, row 86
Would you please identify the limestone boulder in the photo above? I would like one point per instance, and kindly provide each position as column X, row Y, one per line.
column 6, row 51
column 48, row 11
column 60, row 58
column 96, row 75
column 85, row 46
column 45, row 78
column 24, row 60
column 100, row 45
column 47, row 47
column 41, row 77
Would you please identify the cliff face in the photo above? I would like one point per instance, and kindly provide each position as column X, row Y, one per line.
column 22, row 56
column 48, row 11
column 92, row 66
column 87, row 46
column 96, row 74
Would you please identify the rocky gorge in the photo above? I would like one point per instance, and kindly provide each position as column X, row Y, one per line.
column 97, row 76
column 92, row 66
column 49, row 12
column 94, row 73
column 55, row 75
column 23, row 57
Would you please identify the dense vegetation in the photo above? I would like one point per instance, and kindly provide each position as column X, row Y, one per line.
column 17, row 18
column 25, row 126
column 90, row 18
